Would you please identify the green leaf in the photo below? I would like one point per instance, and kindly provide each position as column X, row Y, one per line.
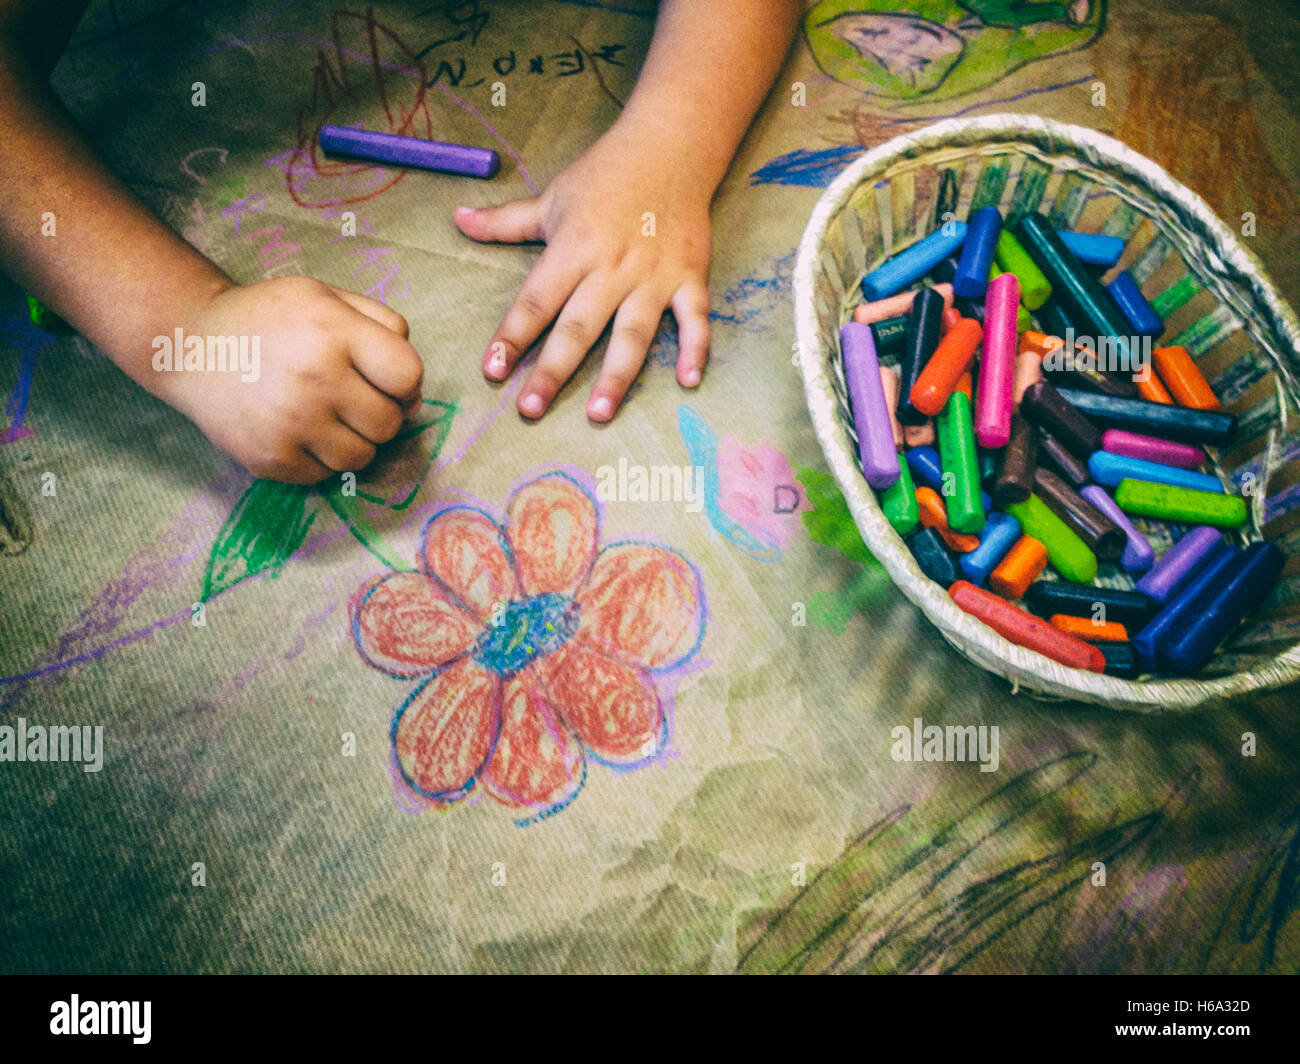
column 267, row 525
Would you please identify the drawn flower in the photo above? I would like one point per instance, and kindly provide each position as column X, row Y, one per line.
column 535, row 650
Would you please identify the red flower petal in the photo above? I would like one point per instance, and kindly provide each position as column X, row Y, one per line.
column 444, row 732
column 465, row 549
column 643, row 605
column 405, row 625
column 537, row 761
column 553, row 528
column 614, row 708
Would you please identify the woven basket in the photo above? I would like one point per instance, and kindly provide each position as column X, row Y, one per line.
column 1212, row 293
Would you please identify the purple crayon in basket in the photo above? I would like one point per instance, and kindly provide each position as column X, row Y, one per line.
column 409, row 151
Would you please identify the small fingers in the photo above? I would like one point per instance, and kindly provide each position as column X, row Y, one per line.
column 552, row 281
column 507, row 223
column 370, row 413
column 337, row 447
column 375, row 310
column 578, row 327
column 634, row 330
column 387, row 361
column 690, row 305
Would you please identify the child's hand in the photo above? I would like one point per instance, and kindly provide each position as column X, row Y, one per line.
column 601, row 259
column 335, row 377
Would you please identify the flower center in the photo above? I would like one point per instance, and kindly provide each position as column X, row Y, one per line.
column 523, row 630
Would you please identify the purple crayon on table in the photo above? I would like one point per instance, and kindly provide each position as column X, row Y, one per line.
column 870, row 412
column 1138, row 554
column 993, row 394
column 409, row 151
column 1180, row 563
column 1152, row 449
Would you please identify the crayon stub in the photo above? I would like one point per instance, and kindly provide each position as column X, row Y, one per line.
column 889, row 385
column 952, row 357
column 1130, row 608
column 1154, row 636
column 921, row 435
column 1012, row 257
column 961, row 475
column 1180, row 563
column 997, row 363
column 935, row 515
column 1095, row 249
column 1110, row 469
column 972, row 275
column 1251, row 577
column 867, row 400
column 1068, row 554
column 898, row 502
column 1122, row 660
column 914, row 263
column 1020, row 568
column 1138, row 553
column 1129, row 297
column 1152, row 449
column 896, row 306
column 932, row 556
column 1184, row 381
column 398, row 150
column 1180, row 504
column 1026, row 630
column 1090, row 631
column 1000, row 534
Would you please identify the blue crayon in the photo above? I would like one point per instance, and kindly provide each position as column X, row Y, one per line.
column 972, row 277
column 999, row 535
column 1093, row 248
column 1141, row 315
column 1211, row 577
column 894, row 275
column 927, row 468
column 1110, row 469
column 409, row 151
column 1253, row 574
column 933, row 557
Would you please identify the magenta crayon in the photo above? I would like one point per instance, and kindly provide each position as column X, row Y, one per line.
column 993, row 394
column 1180, row 563
column 896, row 306
column 867, row 400
column 1138, row 553
column 1152, row 449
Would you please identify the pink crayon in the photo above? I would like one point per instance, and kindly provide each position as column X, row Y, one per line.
column 889, row 381
column 1166, row 452
column 993, row 393
column 896, row 306
column 919, row 435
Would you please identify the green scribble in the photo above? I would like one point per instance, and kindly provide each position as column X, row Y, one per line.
column 267, row 525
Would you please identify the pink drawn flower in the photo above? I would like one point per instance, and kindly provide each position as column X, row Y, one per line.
column 534, row 649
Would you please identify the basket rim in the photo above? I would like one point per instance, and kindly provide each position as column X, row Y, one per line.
column 993, row 652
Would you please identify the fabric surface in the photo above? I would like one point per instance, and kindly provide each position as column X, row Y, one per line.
column 683, row 685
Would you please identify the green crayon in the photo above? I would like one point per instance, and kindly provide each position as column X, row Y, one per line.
column 1180, row 504
column 1035, row 289
column 898, row 501
column 961, row 469
column 1068, row 554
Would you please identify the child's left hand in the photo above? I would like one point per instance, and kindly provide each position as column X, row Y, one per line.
column 605, row 257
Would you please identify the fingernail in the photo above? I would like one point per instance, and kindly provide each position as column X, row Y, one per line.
column 532, row 405
column 462, row 211
column 601, row 408
column 496, row 365
column 692, row 378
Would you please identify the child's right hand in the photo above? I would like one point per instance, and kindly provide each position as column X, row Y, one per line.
column 336, row 378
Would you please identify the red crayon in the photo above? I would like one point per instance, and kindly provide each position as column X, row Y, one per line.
column 1026, row 630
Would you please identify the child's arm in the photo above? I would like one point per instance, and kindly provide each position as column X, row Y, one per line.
column 709, row 67
column 336, row 370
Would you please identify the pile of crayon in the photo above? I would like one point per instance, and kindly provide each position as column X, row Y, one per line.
column 997, row 450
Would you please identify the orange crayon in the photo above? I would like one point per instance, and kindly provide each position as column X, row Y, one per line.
column 1184, row 381
column 952, row 358
column 1089, row 630
column 935, row 515
column 1020, row 568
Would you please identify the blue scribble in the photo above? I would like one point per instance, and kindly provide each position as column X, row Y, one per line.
column 32, row 342
column 807, row 169
column 702, row 446
column 754, row 296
